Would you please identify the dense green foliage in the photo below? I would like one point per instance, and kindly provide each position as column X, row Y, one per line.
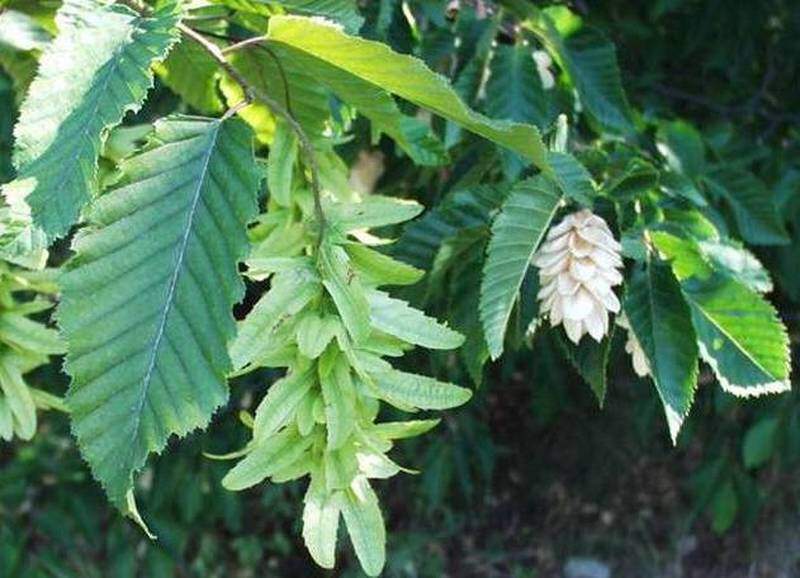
column 290, row 224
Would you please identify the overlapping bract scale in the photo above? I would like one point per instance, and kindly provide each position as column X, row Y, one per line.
column 578, row 266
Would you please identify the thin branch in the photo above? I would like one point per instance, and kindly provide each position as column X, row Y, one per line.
column 252, row 93
column 244, row 43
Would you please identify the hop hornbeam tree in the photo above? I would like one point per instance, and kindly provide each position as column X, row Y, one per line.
column 563, row 210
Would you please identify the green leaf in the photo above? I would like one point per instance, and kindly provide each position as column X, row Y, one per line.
column 739, row 263
column 660, row 320
column 724, row 507
column 193, row 75
column 462, row 209
column 682, row 146
column 409, row 133
column 401, row 75
column 146, row 306
column 290, row 292
column 590, row 62
column 759, row 442
column 571, row 177
column 314, row 332
column 681, row 186
column 280, row 163
column 516, row 233
column 28, row 336
column 344, row 12
column 307, row 99
column 339, row 395
column 17, row 399
column 514, row 90
column 281, row 402
column 638, row 178
column 409, row 390
column 590, row 360
column 344, row 287
column 321, row 524
column 20, row 242
column 396, row 430
column 740, row 336
column 753, row 206
column 377, row 211
column 77, row 96
column 685, row 255
column 378, row 269
column 265, row 458
column 398, row 318
column 362, row 516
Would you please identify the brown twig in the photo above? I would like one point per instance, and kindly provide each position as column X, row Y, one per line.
column 252, row 93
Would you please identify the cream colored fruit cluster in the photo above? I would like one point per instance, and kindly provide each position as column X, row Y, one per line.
column 578, row 266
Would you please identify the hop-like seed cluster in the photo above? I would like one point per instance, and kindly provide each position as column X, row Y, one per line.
column 578, row 264
column 634, row 349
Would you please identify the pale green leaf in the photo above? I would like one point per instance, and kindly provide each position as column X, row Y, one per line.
column 320, row 525
column 659, row 319
column 410, row 390
column 314, row 332
column 265, row 458
column 29, row 336
column 401, row 75
column 398, row 318
column 377, row 211
column 76, row 97
column 17, row 399
column 281, row 401
column 378, row 269
column 290, row 292
column 341, row 468
column 146, row 306
column 339, row 395
column 362, row 516
column 20, row 242
column 396, row 430
column 516, row 233
column 344, row 287
column 280, row 163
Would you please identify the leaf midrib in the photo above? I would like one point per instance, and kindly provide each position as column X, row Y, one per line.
column 730, row 338
column 170, row 297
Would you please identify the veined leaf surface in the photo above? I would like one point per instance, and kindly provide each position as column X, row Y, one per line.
column 147, row 299
column 516, row 234
column 740, row 336
column 78, row 94
column 659, row 318
column 401, row 75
